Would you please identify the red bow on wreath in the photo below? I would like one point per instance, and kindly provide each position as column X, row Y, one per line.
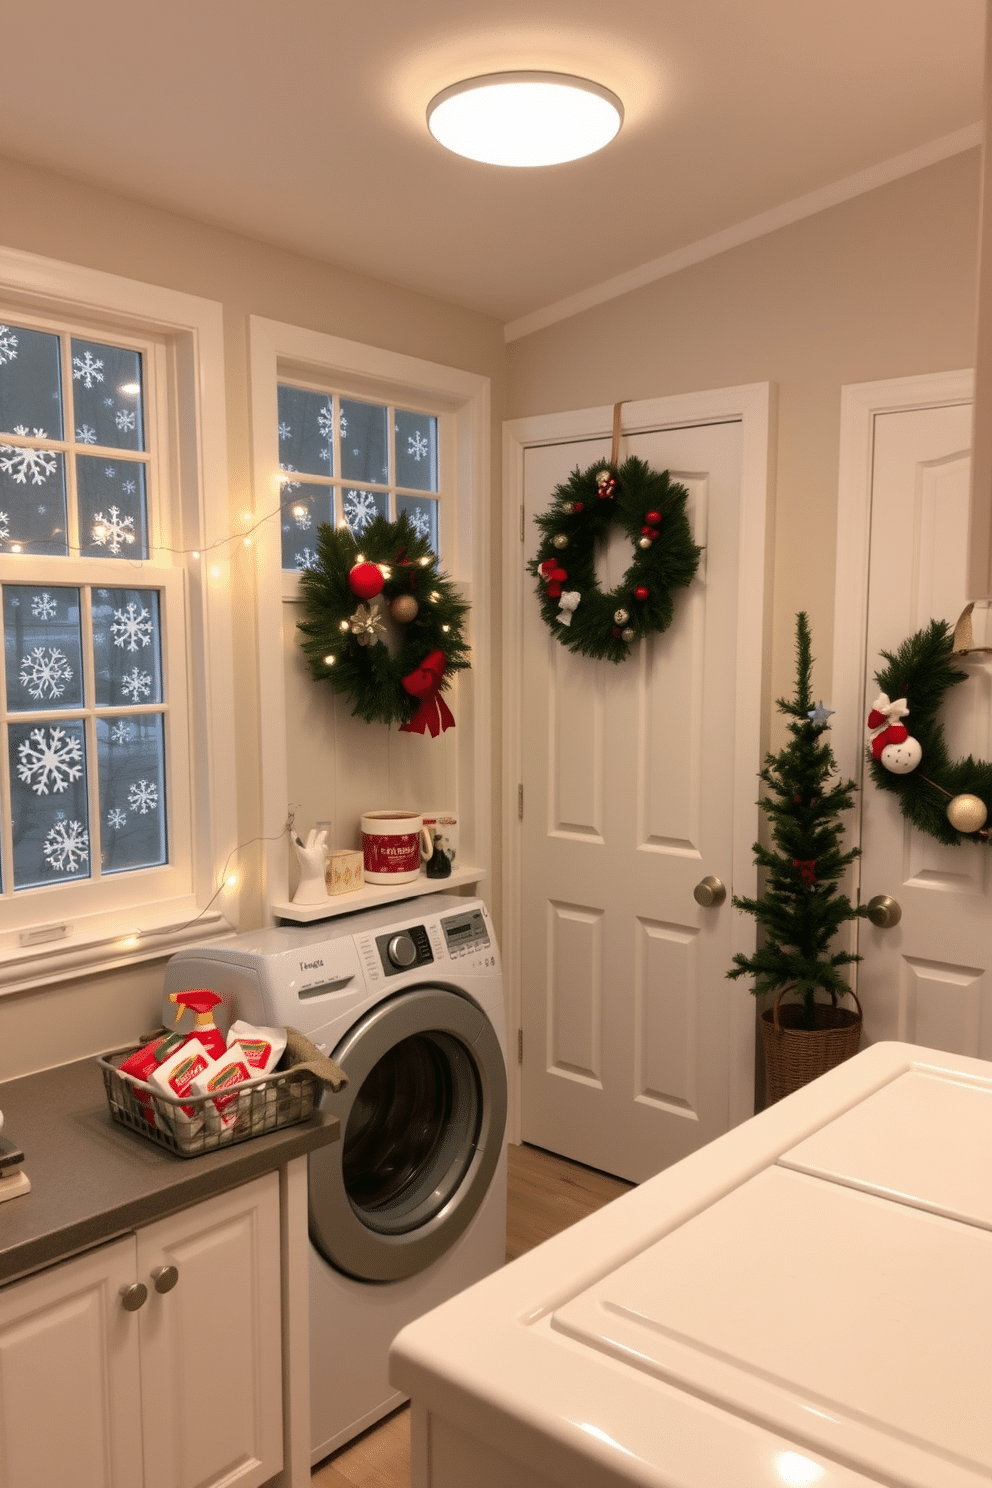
column 425, row 683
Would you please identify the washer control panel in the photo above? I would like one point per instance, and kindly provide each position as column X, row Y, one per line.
column 401, row 950
column 465, row 934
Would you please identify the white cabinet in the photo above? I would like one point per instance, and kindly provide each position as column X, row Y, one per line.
column 185, row 1390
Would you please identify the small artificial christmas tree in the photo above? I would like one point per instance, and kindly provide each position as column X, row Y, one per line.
column 801, row 909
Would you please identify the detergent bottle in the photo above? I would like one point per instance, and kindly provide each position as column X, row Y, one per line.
column 202, row 1001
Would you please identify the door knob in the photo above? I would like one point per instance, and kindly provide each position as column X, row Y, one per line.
column 709, row 892
column 884, row 911
column 165, row 1278
column 134, row 1296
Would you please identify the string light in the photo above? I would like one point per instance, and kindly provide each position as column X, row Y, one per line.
column 329, row 660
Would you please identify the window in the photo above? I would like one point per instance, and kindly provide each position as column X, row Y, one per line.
column 106, row 627
column 346, row 461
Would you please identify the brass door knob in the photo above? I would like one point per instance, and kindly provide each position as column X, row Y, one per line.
column 165, row 1278
column 134, row 1296
column 884, row 911
column 710, row 892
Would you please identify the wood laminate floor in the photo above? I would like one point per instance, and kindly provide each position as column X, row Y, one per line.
column 545, row 1194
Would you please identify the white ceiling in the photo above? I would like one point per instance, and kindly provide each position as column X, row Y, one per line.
column 301, row 122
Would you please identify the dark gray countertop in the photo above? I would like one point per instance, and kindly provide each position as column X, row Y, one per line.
column 92, row 1179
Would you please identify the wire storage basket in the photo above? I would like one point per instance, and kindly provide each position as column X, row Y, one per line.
column 192, row 1125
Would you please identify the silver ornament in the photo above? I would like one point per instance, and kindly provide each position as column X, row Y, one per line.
column 560, row 541
column 621, row 617
column 627, row 635
column 967, row 813
column 644, row 542
column 568, row 507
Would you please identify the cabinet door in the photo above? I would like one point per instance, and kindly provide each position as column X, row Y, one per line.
column 70, row 1390
column 211, row 1363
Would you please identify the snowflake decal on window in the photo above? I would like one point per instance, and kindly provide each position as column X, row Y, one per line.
column 113, row 531
column 121, row 733
column 420, row 522
column 286, row 483
column 325, row 420
column 45, row 671
column 110, row 471
column 116, row 818
column 54, row 760
column 417, row 446
column 143, row 796
column 306, row 559
column 8, row 345
column 125, row 421
column 284, row 430
column 87, row 369
column 20, row 463
column 86, row 435
column 360, row 510
column 136, row 684
column 132, row 627
column 304, row 520
column 43, row 606
column 4, row 526
column 66, row 847
column 129, row 487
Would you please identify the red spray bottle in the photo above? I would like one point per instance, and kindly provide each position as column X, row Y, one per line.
column 201, row 1001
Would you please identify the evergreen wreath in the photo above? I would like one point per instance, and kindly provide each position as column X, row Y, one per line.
column 345, row 595
column 919, row 675
column 651, row 510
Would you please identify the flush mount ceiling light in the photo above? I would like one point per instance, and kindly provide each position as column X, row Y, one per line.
column 524, row 118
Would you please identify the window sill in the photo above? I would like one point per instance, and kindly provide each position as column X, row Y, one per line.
column 97, row 943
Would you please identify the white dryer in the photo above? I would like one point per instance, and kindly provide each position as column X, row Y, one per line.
column 409, row 1207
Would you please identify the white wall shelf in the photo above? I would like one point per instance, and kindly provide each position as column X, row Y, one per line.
column 370, row 896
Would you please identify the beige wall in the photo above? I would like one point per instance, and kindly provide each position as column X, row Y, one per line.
column 58, row 218
column 881, row 286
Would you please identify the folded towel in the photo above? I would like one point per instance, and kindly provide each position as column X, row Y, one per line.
column 302, row 1054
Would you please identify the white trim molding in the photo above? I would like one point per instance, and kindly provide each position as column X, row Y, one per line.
column 745, row 232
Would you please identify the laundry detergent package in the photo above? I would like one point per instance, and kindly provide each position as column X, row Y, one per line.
column 262, row 1047
column 175, row 1076
column 141, row 1063
column 224, row 1074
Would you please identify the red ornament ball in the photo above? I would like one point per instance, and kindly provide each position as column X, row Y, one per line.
column 577, row 506
column 366, row 580
column 653, row 518
column 641, row 592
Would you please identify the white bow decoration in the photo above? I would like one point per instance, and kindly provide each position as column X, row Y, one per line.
column 566, row 605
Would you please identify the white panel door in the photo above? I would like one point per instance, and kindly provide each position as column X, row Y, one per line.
column 629, row 1025
column 928, row 979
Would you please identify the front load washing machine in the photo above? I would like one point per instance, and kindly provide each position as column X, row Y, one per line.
column 409, row 1207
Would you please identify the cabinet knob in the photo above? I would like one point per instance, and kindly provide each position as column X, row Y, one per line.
column 710, row 892
column 165, row 1278
column 134, row 1296
column 884, row 911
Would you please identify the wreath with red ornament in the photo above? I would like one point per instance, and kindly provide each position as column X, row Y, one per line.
column 650, row 508
column 384, row 627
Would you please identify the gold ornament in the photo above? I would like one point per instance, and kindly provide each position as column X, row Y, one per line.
column 644, row 542
column 967, row 813
column 627, row 635
column 568, row 507
column 621, row 617
column 560, row 541
column 603, row 477
column 404, row 608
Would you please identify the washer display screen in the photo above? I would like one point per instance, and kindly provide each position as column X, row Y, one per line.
column 467, row 930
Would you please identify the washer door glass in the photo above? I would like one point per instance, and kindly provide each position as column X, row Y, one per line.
column 411, row 1134
column 422, row 1123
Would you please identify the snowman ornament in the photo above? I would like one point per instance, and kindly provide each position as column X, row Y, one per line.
column 891, row 743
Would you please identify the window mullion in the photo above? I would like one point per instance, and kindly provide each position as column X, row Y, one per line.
column 92, row 754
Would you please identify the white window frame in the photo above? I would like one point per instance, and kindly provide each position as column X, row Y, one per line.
column 287, row 353
column 83, row 927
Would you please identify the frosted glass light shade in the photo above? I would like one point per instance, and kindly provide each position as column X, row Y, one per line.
column 524, row 118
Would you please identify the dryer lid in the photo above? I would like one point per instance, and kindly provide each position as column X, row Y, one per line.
column 835, row 1317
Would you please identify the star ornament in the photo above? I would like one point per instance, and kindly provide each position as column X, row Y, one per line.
column 820, row 714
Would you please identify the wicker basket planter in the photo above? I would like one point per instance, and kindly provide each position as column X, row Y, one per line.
column 795, row 1055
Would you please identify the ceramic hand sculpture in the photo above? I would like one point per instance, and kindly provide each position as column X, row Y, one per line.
column 312, row 855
